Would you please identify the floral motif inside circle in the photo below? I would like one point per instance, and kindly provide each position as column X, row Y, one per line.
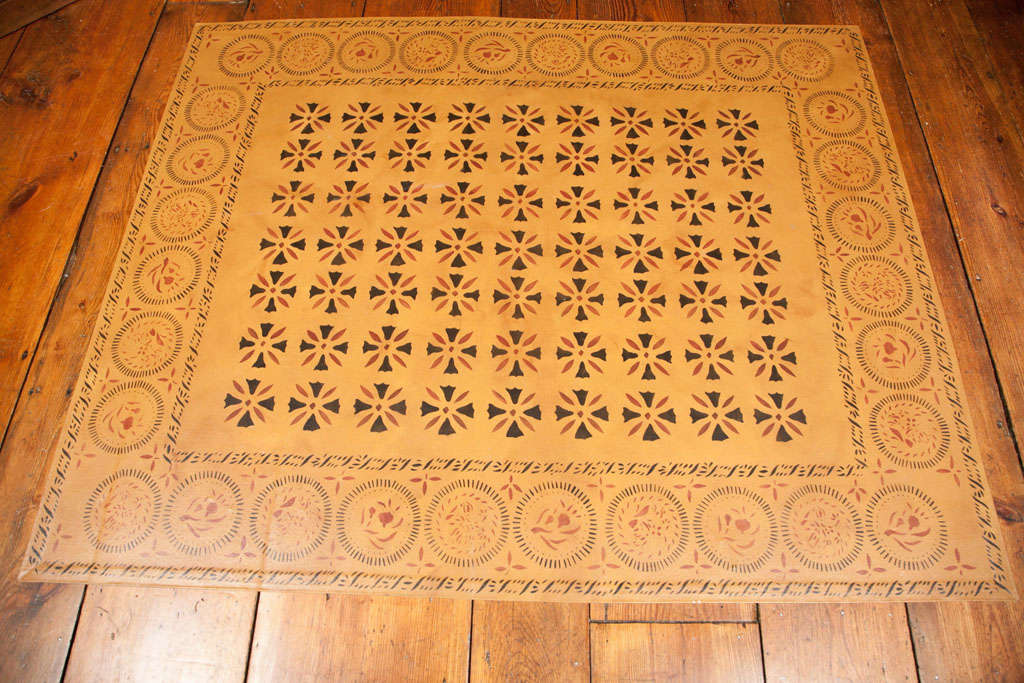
column 909, row 431
column 467, row 523
column 245, row 55
column 555, row 525
column 893, row 354
column 204, row 513
column 906, row 528
column 646, row 527
column 121, row 511
column 197, row 160
column 126, row 417
column 554, row 54
column 736, row 529
column 679, row 57
column 166, row 275
column 847, row 165
column 744, row 59
column 493, row 53
column 821, row 529
column 290, row 518
column 427, row 52
column 378, row 522
column 146, row 344
column 876, row 285
column 835, row 113
column 182, row 215
column 860, row 223
column 366, row 51
column 305, row 53
column 806, row 60
column 617, row 56
column 214, row 107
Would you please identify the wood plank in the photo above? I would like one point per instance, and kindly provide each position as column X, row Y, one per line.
column 999, row 23
column 7, row 45
column 37, row 620
column 432, row 8
column 751, row 12
column 307, row 9
column 315, row 637
column 678, row 612
column 544, row 641
column 15, row 14
column 676, row 652
column 539, row 9
column 863, row 642
column 956, row 642
column 161, row 634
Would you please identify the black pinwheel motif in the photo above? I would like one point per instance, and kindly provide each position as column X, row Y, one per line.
column 515, row 351
column 405, row 198
column 520, row 202
column 632, row 159
column 522, row 120
column 698, row 254
column 583, row 353
column 518, row 249
column 458, row 247
column 361, row 117
column 354, row 155
column 579, row 157
column 380, row 407
column 521, row 157
column 734, row 124
column 757, row 255
column 282, row 244
column 453, row 350
column 513, row 411
column 692, row 207
column 263, row 344
column 716, row 416
column 409, row 154
column 579, row 297
column 709, row 356
column 393, row 292
column 348, row 198
column 772, row 355
column 456, row 292
column 272, row 290
column 642, row 299
column 763, row 300
column 447, row 409
column 743, row 160
column 578, row 251
column 309, row 118
column 323, row 347
column 313, row 405
column 638, row 252
column 468, row 118
column 636, row 205
column 581, row 413
column 683, row 123
column 648, row 415
column 398, row 245
column 387, row 348
column 300, row 154
column 462, row 199
column 292, row 198
column 465, row 155
column 333, row 292
column 647, row 354
column 576, row 120
column 704, row 300
column 749, row 209
column 518, row 295
column 339, row 245
column 689, row 160
column 249, row 402
column 775, row 414
column 414, row 118
column 579, row 204
column 631, row 121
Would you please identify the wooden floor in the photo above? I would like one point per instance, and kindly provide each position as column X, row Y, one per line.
column 81, row 93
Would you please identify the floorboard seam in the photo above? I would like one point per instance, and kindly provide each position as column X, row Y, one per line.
column 252, row 636
column 74, row 632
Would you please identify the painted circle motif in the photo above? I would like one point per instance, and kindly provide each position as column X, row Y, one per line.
column 366, row 51
column 305, row 53
column 806, row 60
column 909, row 431
column 860, row 223
column 378, row 522
column 893, row 354
column 146, row 344
column 744, row 59
column 835, row 113
column 289, row 518
column 166, row 274
column 181, row 215
column 847, row 165
column 126, row 417
column 428, row 52
column 876, row 285
column 679, row 57
column 646, row 527
column 214, row 107
column 736, row 529
column 203, row 513
column 555, row 525
column 821, row 529
column 197, row 160
column 493, row 53
column 245, row 55
column 467, row 523
column 905, row 527
column 554, row 54
column 617, row 56
column 121, row 512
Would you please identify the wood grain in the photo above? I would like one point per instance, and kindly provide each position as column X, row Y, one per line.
column 7, row 45
column 676, row 652
column 514, row 641
column 15, row 14
column 999, row 24
column 431, row 8
column 315, row 637
column 675, row 612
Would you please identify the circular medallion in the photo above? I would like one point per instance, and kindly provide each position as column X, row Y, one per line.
column 835, row 113
column 146, row 344
column 427, row 52
column 467, row 523
column 290, row 517
column 847, row 165
column 203, row 513
column 214, row 107
column 646, row 527
column 305, row 53
column 893, row 354
column 378, row 522
column 182, row 215
column 197, row 159
column 744, row 59
column 617, row 55
column 554, row 54
column 166, row 274
column 366, row 51
column 876, row 285
column 493, row 53
column 126, row 417
column 555, row 525
column 121, row 512
column 905, row 527
column 736, row 529
column 861, row 224
column 679, row 57
column 805, row 60
column 821, row 529
column 245, row 55
column 909, row 431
